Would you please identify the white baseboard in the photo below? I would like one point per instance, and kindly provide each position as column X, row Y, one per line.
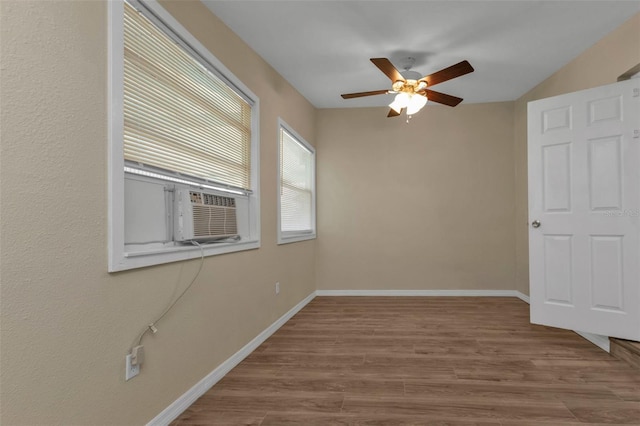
column 431, row 293
column 600, row 341
column 183, row 402
column 523, row 297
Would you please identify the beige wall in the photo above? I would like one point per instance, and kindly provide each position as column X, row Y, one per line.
column 599, row 65
column 428, row 205
column 424, row 205
column 66, row 323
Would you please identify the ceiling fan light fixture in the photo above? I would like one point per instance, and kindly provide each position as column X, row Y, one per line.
column 416, row 103
column 396, row 107
column 401, row 101
column 411, row 87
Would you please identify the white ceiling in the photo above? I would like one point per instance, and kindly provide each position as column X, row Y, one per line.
column 323, row 47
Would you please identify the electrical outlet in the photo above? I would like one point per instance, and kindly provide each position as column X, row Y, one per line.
column 277, row 288
column 131, row 371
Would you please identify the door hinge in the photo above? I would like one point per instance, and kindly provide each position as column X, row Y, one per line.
column 636, row 92
column 636, row 133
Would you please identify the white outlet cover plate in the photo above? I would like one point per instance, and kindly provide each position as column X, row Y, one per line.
column 131, row 371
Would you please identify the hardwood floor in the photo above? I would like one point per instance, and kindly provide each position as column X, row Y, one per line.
column 626, row 350
column 421, row 361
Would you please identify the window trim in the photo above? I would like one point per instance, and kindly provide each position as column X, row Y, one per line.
column 285, row 237
column 119, row 258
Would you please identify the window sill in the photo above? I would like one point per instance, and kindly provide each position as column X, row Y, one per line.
column 154, row 256
column 293, row 238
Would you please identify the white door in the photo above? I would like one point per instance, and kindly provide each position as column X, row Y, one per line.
column 584, row 208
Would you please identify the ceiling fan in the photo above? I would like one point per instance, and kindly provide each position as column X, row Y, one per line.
column 412, row 89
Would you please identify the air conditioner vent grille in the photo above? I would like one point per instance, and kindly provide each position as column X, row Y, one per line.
column 203, row 216
column 214, row 221
column 212, row 200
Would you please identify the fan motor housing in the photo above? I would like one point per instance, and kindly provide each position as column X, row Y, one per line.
column 411, row 75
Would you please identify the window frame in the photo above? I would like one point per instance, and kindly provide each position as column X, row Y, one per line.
column 119, row 258
column 285, row 237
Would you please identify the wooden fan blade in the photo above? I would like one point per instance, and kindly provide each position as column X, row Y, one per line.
column 361, row 94
column 461, row 68
column 394, row 113
column 442, row 98
column 388, row 69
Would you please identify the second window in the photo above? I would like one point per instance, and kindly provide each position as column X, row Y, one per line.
column 296, row 184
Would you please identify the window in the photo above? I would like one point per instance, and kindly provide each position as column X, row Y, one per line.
column 296, row 183
column 180, row 122
column 178, row 116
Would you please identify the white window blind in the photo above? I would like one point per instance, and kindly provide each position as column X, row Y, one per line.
column 296, row 185
column 178, row 116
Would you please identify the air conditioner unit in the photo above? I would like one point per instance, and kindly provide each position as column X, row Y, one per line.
column 202, row 216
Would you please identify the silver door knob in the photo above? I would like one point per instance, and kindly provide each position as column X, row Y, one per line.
column 535, row 224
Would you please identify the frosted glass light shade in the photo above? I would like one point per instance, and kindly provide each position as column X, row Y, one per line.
column 416, row 103
column 401, row 100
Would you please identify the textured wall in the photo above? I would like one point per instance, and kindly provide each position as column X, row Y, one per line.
column 66, row 323
column 424, row 205
column 599, row 65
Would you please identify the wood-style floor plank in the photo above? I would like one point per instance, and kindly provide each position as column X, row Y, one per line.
column 296, row 419
column 422, row 361
column 469, row 408
column 606, row 412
